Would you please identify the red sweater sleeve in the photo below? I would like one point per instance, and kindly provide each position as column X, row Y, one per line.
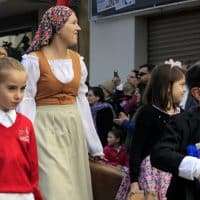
column 34, row 165
column 106, row 152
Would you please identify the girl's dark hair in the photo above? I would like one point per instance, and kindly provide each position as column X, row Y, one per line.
column 159, row 87
column 117, row 133
column 193, row 76
column 98, row 92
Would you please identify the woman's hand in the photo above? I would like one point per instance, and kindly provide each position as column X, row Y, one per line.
column 134, row 189
column 96, row 158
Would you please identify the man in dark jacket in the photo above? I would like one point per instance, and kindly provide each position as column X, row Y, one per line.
column 171, row 153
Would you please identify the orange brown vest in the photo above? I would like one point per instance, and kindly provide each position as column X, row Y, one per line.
column 51, row 91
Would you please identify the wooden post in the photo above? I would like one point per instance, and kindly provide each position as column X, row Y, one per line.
column 83, row 46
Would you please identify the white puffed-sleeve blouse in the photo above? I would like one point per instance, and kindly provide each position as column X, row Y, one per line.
column 63, row 71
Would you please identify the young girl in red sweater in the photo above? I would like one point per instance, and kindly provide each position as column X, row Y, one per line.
column 115, row 152
column 18, row 154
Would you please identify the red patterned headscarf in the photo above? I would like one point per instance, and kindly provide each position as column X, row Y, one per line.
column 52, row 21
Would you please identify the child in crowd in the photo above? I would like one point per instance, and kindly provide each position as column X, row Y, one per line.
column 18, row 154
column 161, row 100
column 176, row 150
column 115, row 152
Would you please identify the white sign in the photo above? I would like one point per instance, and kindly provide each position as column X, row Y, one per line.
column 103, row 5
column 119, row 4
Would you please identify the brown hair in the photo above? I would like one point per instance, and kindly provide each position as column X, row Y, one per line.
column 159, row 88
column 118, row 133
column 8, row 63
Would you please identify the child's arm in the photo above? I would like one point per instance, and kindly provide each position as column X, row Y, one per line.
column 166, row 155
column 106, row 152
column 34, row 178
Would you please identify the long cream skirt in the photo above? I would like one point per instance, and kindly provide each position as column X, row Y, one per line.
column 63, row 156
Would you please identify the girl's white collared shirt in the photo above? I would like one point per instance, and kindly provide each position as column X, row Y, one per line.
column 7, row 119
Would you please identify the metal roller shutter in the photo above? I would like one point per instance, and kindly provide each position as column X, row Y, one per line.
column 174, row 36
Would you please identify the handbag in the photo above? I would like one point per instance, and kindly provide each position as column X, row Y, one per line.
column 106, row 180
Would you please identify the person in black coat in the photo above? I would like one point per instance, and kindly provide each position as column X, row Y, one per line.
column 173, row 152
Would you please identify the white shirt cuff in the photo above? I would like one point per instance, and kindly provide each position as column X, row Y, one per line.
column 189, row 168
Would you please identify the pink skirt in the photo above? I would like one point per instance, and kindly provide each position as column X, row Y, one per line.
column 154, row 180
column 151, row 180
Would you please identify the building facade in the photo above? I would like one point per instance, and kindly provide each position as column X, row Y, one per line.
column 141, row 32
